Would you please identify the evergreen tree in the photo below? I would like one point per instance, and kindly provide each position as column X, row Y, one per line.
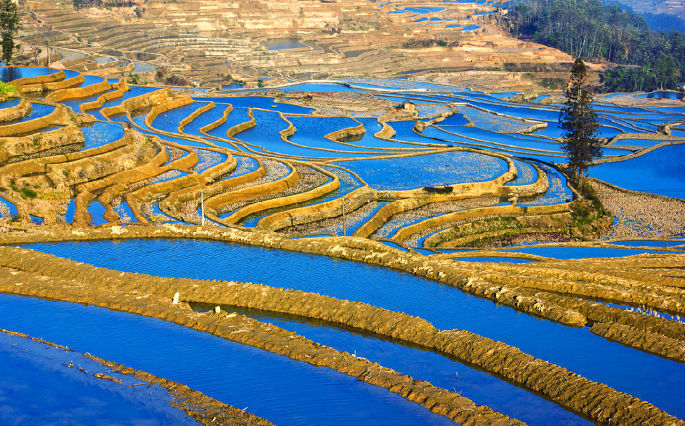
column 579, row 121
column 9, row 25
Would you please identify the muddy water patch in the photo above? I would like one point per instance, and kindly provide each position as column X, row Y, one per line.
column 645, row 376
column 284, row 44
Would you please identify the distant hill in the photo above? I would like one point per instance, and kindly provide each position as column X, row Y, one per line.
column 656, row 7
column 595, row 30
column 657, row 17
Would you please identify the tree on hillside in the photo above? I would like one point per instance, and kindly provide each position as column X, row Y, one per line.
column 9, row 25
column 579, row 122
column 666, row 71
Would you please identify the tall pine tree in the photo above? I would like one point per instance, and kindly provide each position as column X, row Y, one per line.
column 579, row 122
column 9, row 25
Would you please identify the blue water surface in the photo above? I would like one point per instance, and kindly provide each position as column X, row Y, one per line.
column 102, row 133
column 7, row 209
column 661, row 172
column 97, row 210
column 37, row 388
column 265, row 135
column 37, row 111
column 10, row 103
column 424, row 365
column 417, row 171
column 14, row 73
column 268, row 385
column 204, row 119
column 132, row 92
column 75, row 104
column 646, row 376
column 526, row 174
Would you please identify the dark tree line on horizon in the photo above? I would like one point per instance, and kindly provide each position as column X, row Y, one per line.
column 648, row 60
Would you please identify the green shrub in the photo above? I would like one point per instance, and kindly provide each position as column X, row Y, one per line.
column 438, row 189
column 28, row 192
column 7, row 88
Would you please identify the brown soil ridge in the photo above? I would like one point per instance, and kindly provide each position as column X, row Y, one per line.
column 243, row 330
column 565, row 388
column 195, row 404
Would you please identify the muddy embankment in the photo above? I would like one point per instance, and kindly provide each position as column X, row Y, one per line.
column 40, row 275
column 203, row 409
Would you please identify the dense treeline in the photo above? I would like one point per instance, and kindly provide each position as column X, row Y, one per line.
column 594, row 30
column 663, row 22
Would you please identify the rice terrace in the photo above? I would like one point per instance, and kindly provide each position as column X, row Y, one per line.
column 340, row 212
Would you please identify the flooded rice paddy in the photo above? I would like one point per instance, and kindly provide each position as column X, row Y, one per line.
column 296, row 168
column 48, row 385
column 269, row 385
column 574, row 348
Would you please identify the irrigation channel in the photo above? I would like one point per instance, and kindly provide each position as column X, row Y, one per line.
column 461, row 216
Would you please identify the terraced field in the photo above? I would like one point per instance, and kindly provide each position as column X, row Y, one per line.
column 420, row 242
column 234, row 43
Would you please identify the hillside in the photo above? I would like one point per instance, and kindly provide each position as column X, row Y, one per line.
column 206, row 41
column 670, row 7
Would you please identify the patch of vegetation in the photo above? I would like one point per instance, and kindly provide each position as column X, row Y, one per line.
column 591, row 29
column 552, row 83
column 28, row 192
column 9, row 25
column 231, row 80
column 481, row 227
column 430, row 42
column 438, row 189
column 587, row 220
column 6, row 88
column 587, row 214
